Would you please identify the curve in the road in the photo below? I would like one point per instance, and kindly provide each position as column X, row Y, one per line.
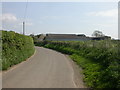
column 46, row 69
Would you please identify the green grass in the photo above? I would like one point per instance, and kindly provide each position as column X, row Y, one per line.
column 15, row 48
column 91, row 70
column 100, row 63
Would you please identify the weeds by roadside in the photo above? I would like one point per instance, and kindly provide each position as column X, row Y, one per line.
column 101, row 64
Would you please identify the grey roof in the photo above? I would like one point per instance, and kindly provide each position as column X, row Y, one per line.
column 65, row 36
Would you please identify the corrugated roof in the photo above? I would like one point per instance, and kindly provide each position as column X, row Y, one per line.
column 64, row 36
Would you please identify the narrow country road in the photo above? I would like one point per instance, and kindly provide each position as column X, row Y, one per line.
column 45, row 69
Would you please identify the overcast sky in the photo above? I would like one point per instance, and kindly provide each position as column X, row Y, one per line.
column 61, row 17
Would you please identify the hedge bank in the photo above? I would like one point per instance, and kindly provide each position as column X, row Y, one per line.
column 15, row 48
column 100, row 60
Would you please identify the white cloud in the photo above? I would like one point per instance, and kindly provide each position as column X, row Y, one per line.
column 107, row 13
column 8, row 17
column 12, row 22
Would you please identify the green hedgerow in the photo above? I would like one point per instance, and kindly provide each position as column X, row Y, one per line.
column 15, row 48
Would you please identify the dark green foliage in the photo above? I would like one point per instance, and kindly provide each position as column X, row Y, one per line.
column 101, row 62
column 15, row 48
column 91, row 70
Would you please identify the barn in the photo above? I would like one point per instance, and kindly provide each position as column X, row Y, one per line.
column 66, row 37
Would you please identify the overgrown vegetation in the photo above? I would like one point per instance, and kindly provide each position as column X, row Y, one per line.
column 100, row 60
column 15, row 48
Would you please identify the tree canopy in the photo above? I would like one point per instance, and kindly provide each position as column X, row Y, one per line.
column 98, row 33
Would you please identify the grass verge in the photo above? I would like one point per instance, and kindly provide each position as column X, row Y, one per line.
column 101, row 66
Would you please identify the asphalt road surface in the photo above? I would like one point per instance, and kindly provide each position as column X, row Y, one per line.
column 45, row 69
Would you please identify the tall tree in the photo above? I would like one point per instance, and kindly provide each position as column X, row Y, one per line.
column 98, row 33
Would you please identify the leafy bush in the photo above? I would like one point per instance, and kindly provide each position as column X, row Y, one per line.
column 15, row 48
column 100, row 60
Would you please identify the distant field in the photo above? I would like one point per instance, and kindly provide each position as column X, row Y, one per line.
column 100, row 60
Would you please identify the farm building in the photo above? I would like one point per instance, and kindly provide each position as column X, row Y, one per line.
column 41, row 37
column 72, row 37
column 66, row 37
